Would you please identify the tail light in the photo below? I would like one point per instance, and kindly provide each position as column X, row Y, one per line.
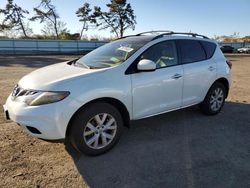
column 230, row 64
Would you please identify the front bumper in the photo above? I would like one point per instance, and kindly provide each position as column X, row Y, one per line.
column 46, row 121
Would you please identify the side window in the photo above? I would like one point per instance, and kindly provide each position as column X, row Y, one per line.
column 163, row 54
column 209, row 47
column 191, row 51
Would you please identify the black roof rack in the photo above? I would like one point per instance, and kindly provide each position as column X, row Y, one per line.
column 147, row 32
column 153, row 32
column 180, row 33
column 166, row 32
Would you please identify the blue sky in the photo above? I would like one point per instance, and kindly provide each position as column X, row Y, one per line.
column 208, row 17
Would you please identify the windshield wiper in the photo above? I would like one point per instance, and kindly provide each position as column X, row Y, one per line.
column 92, row 67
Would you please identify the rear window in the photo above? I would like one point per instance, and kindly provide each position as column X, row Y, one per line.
column 209, row 48
column 191, row 51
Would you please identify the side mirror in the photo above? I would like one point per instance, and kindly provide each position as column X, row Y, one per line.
column 146, row 65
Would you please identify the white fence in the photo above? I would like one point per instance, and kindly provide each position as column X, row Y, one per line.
column 236, row 45
column 14, row 46
column 9, row 46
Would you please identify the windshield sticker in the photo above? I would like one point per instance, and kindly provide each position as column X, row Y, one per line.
column 126, row 49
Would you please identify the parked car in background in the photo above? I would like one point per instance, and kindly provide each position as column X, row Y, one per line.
column 89, row 100
column 244, row 50
column 227, row 49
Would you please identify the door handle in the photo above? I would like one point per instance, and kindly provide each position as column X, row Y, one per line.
column 176, row 76
column 211, row 68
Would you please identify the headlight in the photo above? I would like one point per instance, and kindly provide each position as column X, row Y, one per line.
column 45, row 97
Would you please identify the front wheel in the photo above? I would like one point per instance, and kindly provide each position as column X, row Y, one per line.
column 96, row 128
column 214, row 99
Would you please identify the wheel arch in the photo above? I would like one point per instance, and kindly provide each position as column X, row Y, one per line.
column 115, row 102
column 225, row 82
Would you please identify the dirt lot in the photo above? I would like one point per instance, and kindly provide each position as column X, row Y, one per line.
column 178, row 149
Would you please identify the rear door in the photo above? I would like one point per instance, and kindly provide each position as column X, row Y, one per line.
column 199, row 70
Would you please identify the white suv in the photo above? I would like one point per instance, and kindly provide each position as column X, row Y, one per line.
column 89, row 100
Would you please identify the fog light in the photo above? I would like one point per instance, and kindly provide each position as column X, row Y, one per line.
column 33, row 130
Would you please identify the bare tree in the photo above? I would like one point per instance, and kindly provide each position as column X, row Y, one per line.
column 119, row 17
column 84, row 16
column 14, row 18
column 47, row 12
column 3, row 27
column 10, row 33
column 48, row 29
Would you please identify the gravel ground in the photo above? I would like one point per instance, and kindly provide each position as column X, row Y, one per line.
column 178, row 149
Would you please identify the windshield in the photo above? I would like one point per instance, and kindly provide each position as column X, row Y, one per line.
column 112, row 54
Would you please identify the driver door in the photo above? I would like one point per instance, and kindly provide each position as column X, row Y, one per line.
column 160, row 90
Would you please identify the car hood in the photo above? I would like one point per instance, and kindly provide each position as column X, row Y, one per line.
column 47, row 77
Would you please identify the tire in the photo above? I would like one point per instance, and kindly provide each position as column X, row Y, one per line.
column 96, row 128
column 217, row 94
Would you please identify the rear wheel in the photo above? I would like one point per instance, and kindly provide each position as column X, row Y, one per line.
column 214, row 99
column 96, row 128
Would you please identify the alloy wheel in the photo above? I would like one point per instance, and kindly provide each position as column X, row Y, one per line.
column 100, row 131
column 216, row 99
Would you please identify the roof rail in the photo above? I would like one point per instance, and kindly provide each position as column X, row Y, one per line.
column 180, row 33
column 124, row 37
column 152, row 32
column 164, row 33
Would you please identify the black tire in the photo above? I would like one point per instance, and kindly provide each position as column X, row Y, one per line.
column 79, row 124
column 206, row 106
